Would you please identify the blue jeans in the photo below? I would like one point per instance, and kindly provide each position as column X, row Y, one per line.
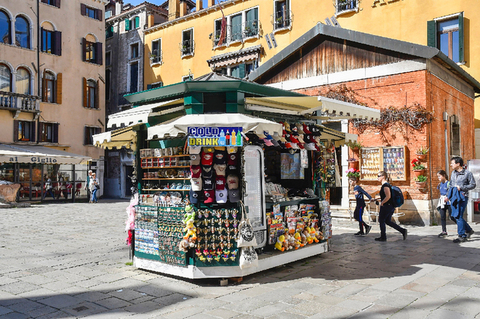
column 94, row 195
column 462, row 225
column 49, row 191
column 385, row 217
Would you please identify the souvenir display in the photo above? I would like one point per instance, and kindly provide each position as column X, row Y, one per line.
column 388, row 159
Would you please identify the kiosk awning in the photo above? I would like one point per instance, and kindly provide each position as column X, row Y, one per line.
column 180, row 125
column 124, row 137
column 305, row 105
column 137, row 114
column 38, row 155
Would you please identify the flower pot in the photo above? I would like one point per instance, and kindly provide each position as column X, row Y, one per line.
column 418, row 172
column 422, row 157
column 421, row 184
column 353, row 164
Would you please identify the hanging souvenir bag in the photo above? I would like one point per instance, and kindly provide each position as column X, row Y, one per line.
column 246, row 237
column 248, row 258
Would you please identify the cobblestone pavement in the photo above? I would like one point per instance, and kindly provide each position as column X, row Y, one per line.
column 71, row 261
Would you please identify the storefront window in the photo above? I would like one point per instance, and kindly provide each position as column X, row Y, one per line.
column 7, row 172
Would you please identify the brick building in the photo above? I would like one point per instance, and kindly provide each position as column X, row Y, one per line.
column 384, row 73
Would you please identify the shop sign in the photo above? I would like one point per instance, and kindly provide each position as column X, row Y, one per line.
column 215, row 136
column 32, row 159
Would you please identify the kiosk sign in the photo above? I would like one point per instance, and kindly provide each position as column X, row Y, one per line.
column 215, row 136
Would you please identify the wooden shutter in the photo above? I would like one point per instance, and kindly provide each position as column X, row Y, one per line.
column 32, row 130
column 57, row 3
column 127, row 25
column 97, row 95
column 40, row 129
column 85, row 137
column 58, row 89
column 55, row 133
column 57, row 43
column 461, row 50
column 41, row 39
column 432, row 33
column 84, row 49
column 85, row 92
column 98, row 53
column 98, row 13
column 44, row 88
column 15, row 131
column 83, row 9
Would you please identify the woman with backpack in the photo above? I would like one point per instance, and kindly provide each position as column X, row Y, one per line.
column 387, row 208
column 443, row 206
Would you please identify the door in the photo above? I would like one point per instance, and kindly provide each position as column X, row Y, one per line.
column 128, row 180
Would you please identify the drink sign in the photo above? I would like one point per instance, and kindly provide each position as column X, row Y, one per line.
column 215, row 136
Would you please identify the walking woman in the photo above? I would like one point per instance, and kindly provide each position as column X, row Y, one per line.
column 387, row 208
column 443, row 206
column 93, row 187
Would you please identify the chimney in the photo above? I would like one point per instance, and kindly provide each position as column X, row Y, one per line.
column 183, row 8
column 150, row 20
column 199, row 5
column 211, row 3
column 173, row 9
column 118, row 7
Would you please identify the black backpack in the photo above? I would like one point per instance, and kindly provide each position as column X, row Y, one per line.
column 397, row 196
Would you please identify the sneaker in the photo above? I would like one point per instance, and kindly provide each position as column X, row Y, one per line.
column 367, row 229
column 380, row 239
column 359, row 234
column 405, row 232
column 470, row 233
column 460, row 240
column 442, row 234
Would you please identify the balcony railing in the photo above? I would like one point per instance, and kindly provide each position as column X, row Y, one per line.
column 237, row 32
column 186, row 47
column 346, row 5
column 282, row 19
column 19, row 102
column 156, row 57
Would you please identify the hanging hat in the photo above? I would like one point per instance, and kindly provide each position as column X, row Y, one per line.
column 196, row 184
column 221, row 195
column 208, row 184
column 268, row 142
column 207, row 171
column 233, row 159
column 220, row 182
column 231, row 149
column 195, row 159
column 220, row 157
column 220, row 169
column 261, row 135
column 219, row 148
column 233, row 195
column 195, row 149
column 196, row 170
column 299, row 128
column 195, row 196
column 232, row 181
column 305, row 129
column 207, row 158
column 209, row 196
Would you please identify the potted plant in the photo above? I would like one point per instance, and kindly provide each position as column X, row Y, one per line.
column 355, row 146
column 418, row 167
column 352, row 172
column 421, row 181
column 352, row 163
column 422, row 153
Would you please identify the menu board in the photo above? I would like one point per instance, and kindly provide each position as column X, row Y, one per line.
column 388, row 159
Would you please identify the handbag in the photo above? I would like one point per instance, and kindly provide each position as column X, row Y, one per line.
column 248, row 258
column 97, row 186
column 246, row 237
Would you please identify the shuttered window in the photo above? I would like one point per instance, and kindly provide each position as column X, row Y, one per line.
column 92, row 52
column 51, row 42
column 90, row 94
column 89, row 132
column 24, row 131
column 91, row 12
column 55, row 3
column 447, row 35
column 454, row 136
column 48, row 132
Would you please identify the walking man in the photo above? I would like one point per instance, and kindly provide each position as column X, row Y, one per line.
column 460, row 183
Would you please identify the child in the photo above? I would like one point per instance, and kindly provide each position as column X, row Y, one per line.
column 443, row 206
column 359, row 208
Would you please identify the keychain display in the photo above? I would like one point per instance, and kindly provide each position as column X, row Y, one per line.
column 146, row 230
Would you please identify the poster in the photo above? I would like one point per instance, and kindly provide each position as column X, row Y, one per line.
column 291, row 166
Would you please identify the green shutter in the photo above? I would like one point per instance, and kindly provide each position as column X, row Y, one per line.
column 241, row 70
column 127, row 25
column 432, row 33
column 460, row 38
column 137, row 22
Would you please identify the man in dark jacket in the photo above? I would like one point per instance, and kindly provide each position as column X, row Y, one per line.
column 463, row 181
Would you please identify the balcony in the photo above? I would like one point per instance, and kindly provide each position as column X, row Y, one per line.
column 344, row 6
column 19, row 102
column 282, row 20
column 187, row 47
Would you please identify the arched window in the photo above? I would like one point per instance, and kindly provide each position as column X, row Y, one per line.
column 5, row 78
column 49, row 87
column 22, row 81
column 91, row 86
column 22, row 32
column 4, row 28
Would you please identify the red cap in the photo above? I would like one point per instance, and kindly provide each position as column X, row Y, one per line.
column 207, row 159
column 196, row 171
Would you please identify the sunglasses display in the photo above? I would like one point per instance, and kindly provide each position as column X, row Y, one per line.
column 388, row 159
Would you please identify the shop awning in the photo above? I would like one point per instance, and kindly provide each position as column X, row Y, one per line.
column 38, row 155
column 180, row 125
column 137, row 114
column 326, row 108
column 123, row 137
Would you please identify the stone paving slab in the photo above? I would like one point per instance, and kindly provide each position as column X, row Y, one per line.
column 70, row 262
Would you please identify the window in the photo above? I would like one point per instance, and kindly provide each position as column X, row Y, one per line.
column 241, row 25
column 236, row 27
column 156, row 56
column 134, row 51
column 22, row 32
column 24, row 131
column 91, row 12
column 187, row 42
column 446, row 34
column 89, row 132
column 47, row 41
column 346, row 6
column 239, row 71
column 90, row 94
column 154, row 85
column 108, row 76
column 5, row 36
column 109, row 32
column 133, row 77
column 55, row 3
column 92, row 51
column 5, row 78
column 108, row 14
column 135, row 23
column 51, row 41
column 454, row 136
column 48, row 132
column 282, row 14
column 22, row 81
column 108, row 58
column 251, row 23
column 48, row 94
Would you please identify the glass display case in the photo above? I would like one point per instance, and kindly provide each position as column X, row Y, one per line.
column 388, row 159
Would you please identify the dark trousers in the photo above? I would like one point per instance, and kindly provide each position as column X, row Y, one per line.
column 385, row 217
column 358, row 215
column 443, row 216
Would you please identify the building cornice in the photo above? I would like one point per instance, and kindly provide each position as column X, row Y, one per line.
column 143, row 7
